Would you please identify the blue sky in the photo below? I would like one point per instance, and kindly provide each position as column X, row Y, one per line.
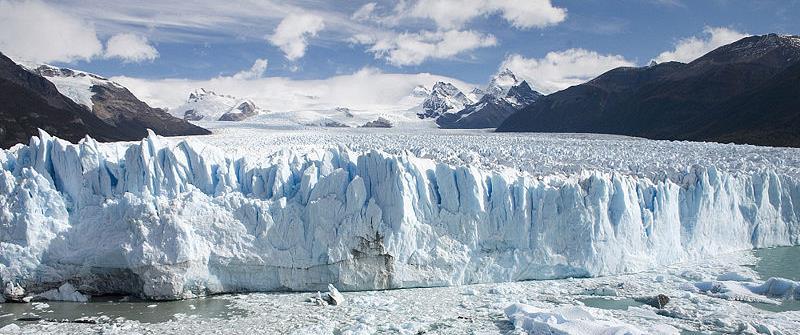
column 313, row 39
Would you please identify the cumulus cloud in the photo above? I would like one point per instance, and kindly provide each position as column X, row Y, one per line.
column 292, row 34
column 34, row 31
column 561, row 69
column 452, row 14
column 255, row 72
column 691, row 48
column 415, row 48
column 365, row 89
column 130, row 48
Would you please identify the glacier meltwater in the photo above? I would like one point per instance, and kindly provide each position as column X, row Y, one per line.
column 166, row 220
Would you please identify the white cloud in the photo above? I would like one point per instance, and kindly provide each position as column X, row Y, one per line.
column 255, row 72
column 561, row 69
column 364, row 12
column 691, row 48
column 453, row 14
column 34, row 31
column 415, row 48
column 130, row 48
column 292, row 34
column 366, row 89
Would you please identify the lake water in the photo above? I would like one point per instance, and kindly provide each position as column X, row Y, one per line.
column 111, row 307
column 773, row 262
column 781, row 262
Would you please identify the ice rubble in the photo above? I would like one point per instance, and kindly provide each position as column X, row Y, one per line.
column 744, row 290
column 566, row 320
column 172, row 220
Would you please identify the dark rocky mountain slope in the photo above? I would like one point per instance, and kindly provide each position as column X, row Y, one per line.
column 744, row 92
column 29, row 101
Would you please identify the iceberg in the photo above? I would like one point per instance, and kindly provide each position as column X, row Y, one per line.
column 167, row 220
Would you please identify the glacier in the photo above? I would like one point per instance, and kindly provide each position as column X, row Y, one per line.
column 169, row 220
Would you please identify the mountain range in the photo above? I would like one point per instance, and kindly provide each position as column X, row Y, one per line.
column 72, row 104
column 744, row 92
column 482, row 108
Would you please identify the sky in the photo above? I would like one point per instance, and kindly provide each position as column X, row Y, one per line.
column 162, row 48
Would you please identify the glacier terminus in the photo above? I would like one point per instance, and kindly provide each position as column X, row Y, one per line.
column 175, row 218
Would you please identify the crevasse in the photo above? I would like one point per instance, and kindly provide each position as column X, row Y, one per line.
column 166, row 221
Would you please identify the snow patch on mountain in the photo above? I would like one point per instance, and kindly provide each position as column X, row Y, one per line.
column 172, row 219
column 74, row 84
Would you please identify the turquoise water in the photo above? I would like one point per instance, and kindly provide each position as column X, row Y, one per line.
column 783, row 262
column 142, row 311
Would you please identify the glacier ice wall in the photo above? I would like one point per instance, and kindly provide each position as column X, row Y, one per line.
column 167, row 220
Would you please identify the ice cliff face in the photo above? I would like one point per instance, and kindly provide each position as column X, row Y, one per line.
column 168, row 221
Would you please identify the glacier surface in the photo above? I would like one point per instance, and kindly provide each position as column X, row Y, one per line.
column 168, row 219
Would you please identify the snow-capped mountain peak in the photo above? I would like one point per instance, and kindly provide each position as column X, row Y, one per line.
column 444, row 98
column 502, row 83
column 208, row 105
column 505, row 93
column 199, row 94
column 521, row 95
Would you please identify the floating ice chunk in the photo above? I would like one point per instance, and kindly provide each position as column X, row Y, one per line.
column 14, row 292
column 750, row 291
column 65, row 292
column 730, row 291
column 734, row 276
column 778, row 287
column 565, row 320
column 606, row 291
column 40, row 306
column 334, row 297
